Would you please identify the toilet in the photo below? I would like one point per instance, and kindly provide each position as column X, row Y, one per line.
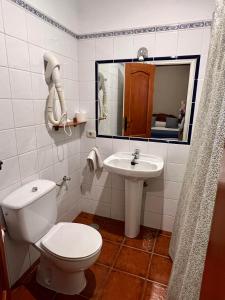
column 66, row 249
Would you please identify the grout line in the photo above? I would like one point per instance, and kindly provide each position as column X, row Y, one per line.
column 149, row 265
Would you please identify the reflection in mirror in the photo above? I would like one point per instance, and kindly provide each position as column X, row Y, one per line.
column 150, row 99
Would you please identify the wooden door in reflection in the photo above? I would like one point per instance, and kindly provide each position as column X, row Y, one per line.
column 138, row 99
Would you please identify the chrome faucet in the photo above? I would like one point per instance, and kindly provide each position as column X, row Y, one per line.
column 136, row 155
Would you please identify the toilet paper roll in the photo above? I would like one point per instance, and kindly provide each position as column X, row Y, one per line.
column 81, row 117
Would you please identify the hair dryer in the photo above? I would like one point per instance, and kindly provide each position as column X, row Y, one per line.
column 52, row 78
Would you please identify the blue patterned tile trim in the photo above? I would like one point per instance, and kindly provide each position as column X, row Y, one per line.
column 161, row 28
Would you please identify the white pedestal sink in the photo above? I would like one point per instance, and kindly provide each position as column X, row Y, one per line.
column 147, row 166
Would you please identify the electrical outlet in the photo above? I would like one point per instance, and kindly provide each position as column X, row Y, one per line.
column 91, row 134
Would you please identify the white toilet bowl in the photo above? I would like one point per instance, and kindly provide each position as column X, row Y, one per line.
column 67, row 250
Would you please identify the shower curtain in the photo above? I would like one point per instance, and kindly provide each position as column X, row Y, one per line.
column 191, row 230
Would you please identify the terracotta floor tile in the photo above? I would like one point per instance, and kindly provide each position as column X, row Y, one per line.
column 160, row 269
column 154, row 291
column 162, row 245
column 144, row 241
column 39, row 292
column 22, row 293
column 108, row 253
column 121, row 286
column 133, row 261
column 96, row 277
column 84, row 218
column 68, row 297
column 112, row 231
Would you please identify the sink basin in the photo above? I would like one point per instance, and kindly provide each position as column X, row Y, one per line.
column 148, row 165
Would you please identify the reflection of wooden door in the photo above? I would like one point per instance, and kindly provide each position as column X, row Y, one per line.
column 139, row 84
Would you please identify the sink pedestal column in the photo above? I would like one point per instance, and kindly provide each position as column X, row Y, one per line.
column 133, row 204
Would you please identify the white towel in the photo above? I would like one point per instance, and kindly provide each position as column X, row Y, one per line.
column 94, row 160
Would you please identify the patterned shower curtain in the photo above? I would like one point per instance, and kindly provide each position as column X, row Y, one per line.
column 191, row 230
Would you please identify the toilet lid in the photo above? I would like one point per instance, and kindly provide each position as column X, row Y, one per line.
column 72, row 240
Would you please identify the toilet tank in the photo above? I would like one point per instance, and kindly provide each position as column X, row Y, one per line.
column 31, row 210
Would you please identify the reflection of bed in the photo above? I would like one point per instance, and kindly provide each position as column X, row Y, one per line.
column 160, row 128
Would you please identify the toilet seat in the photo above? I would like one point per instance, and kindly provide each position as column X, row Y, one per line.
column 72, row 241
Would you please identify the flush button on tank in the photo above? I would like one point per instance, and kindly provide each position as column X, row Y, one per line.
column 34, row 189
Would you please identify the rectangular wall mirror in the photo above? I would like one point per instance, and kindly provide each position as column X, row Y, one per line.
column 153, row 99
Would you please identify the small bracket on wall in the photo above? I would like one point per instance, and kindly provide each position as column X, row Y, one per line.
column 1, row 163
column 73, row 123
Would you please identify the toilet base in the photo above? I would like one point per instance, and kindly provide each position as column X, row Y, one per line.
column 51, row 277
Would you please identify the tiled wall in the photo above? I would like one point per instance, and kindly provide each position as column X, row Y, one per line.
column 104, row 193
column 29, row 149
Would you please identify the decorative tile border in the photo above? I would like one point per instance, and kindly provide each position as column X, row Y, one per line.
column 161, row 28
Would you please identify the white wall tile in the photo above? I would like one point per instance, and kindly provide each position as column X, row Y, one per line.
column 87, row 91
column 86, row 71
column 6, row 114
column 20, row 84
column 159, row 149
column 166, row 43
column 47, row 174
column 3, row 57
column 86, row 49
column 7, row 144
column 1, row 20
column 28, row 164
column 190, row 42
column 14, row 20
column 175, row 172
column 68, row 68
column 142, row 146
column 121, row 145
column 104, row 48
column 10, row 172
column 39, row 111
column 105, row 146
column 43, row 136
column 4, row 83
column 36, row 30
column 36, row 58
column 123, row 47
column 152, row 220
column 172, row 190
column 167, row 223
column 206, row 40
column 26, row 139
column 45, row 157
column 23, row 113
column 18, row 55
column 39, row 87
column 89, row 108
column 178, row 153
column 118, row 204
column 118, row 182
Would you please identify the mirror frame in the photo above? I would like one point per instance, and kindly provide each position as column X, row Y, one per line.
column 195, row 58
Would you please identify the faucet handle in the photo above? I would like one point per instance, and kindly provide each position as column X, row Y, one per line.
column 137, row 151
